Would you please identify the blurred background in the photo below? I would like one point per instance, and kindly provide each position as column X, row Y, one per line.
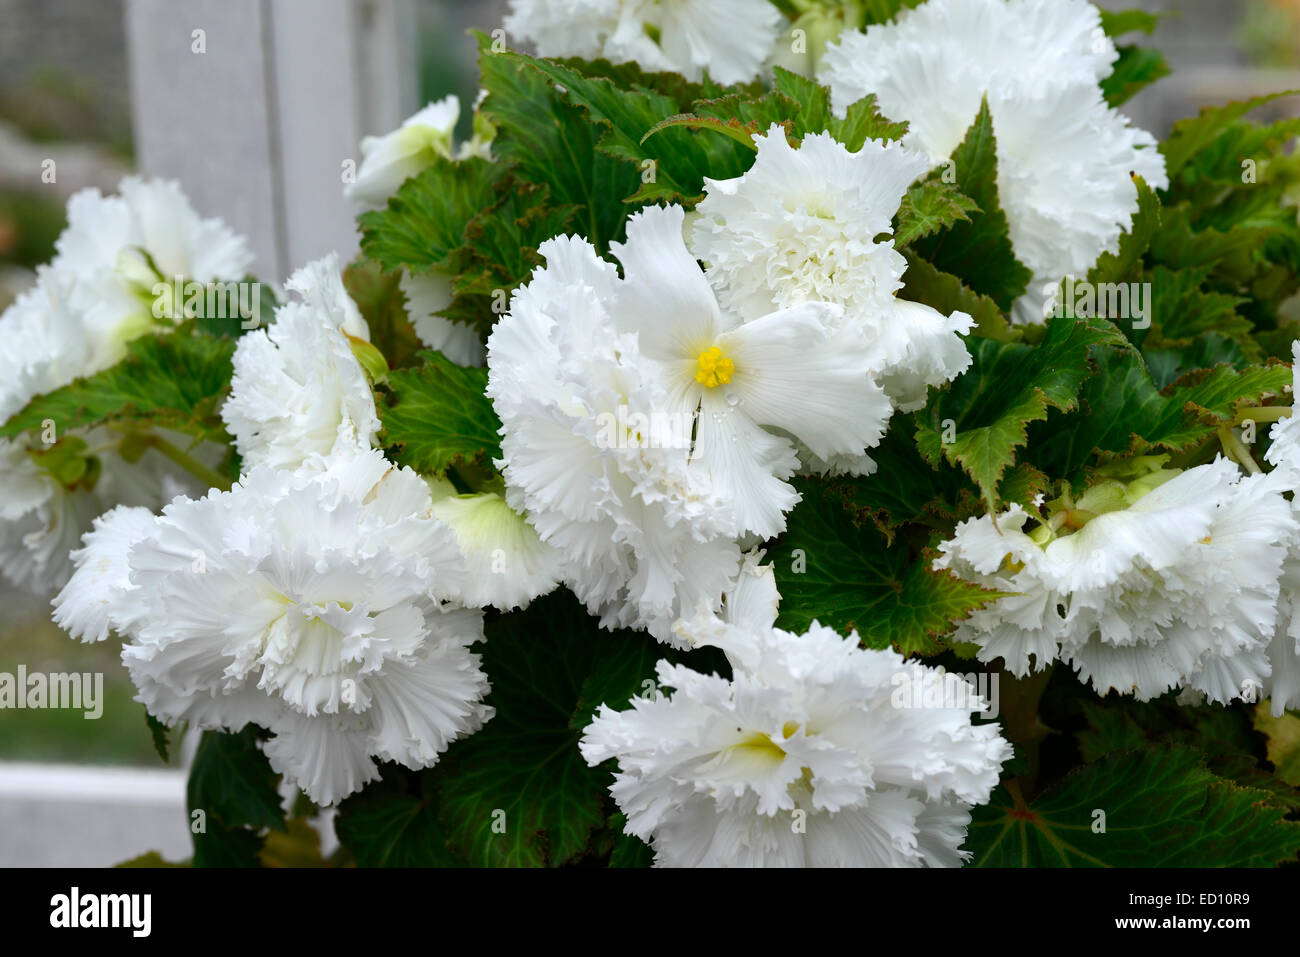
column 104, row 86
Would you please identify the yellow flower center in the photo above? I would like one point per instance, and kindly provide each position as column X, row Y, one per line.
column 760, row 745
column 715, row 368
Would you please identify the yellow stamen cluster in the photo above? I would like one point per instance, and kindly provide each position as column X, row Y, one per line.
column 715, row 368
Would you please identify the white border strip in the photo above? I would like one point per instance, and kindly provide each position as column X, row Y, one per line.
column 80, row 783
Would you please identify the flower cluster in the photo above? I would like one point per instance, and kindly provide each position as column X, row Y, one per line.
column 674, row 325
column 327, row 597
column 660, row 422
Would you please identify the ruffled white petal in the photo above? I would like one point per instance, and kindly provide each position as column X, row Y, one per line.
column 298, row 391
column 427, row 294
column 99, row 591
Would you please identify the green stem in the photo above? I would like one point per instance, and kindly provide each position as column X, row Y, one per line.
column 1235, row 450
column 1020, row 698
column 1263, row 413
column 189, row 463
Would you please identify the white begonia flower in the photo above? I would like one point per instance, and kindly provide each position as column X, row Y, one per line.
column 801, row 226
column 309, row 604
column 508, row 564
column 1170, row 581
column 120, row 256
column 390, row 160
column 98, row 292
column 635, row 418
column 816, row 753
column 731, row 39
column 1064, row 156
column 298, row 391
column 591, row 456
column 41, row 520
column 427, row 294
column 53, row 483
column 801, row 370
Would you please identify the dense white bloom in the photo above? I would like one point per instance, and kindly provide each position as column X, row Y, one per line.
column 508, row 565
column 591, row 457
column 98, row 292
column 731, row 39
column 390, row 160
column 815, row 754
column 1064, row 156
column 1036, row 40
column 306, row 603
column 298, row 390
column 41, row 519
column 427, row 294
column 801, row 226
column 117, row 249
column 1171, row 581
column 636, row 417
